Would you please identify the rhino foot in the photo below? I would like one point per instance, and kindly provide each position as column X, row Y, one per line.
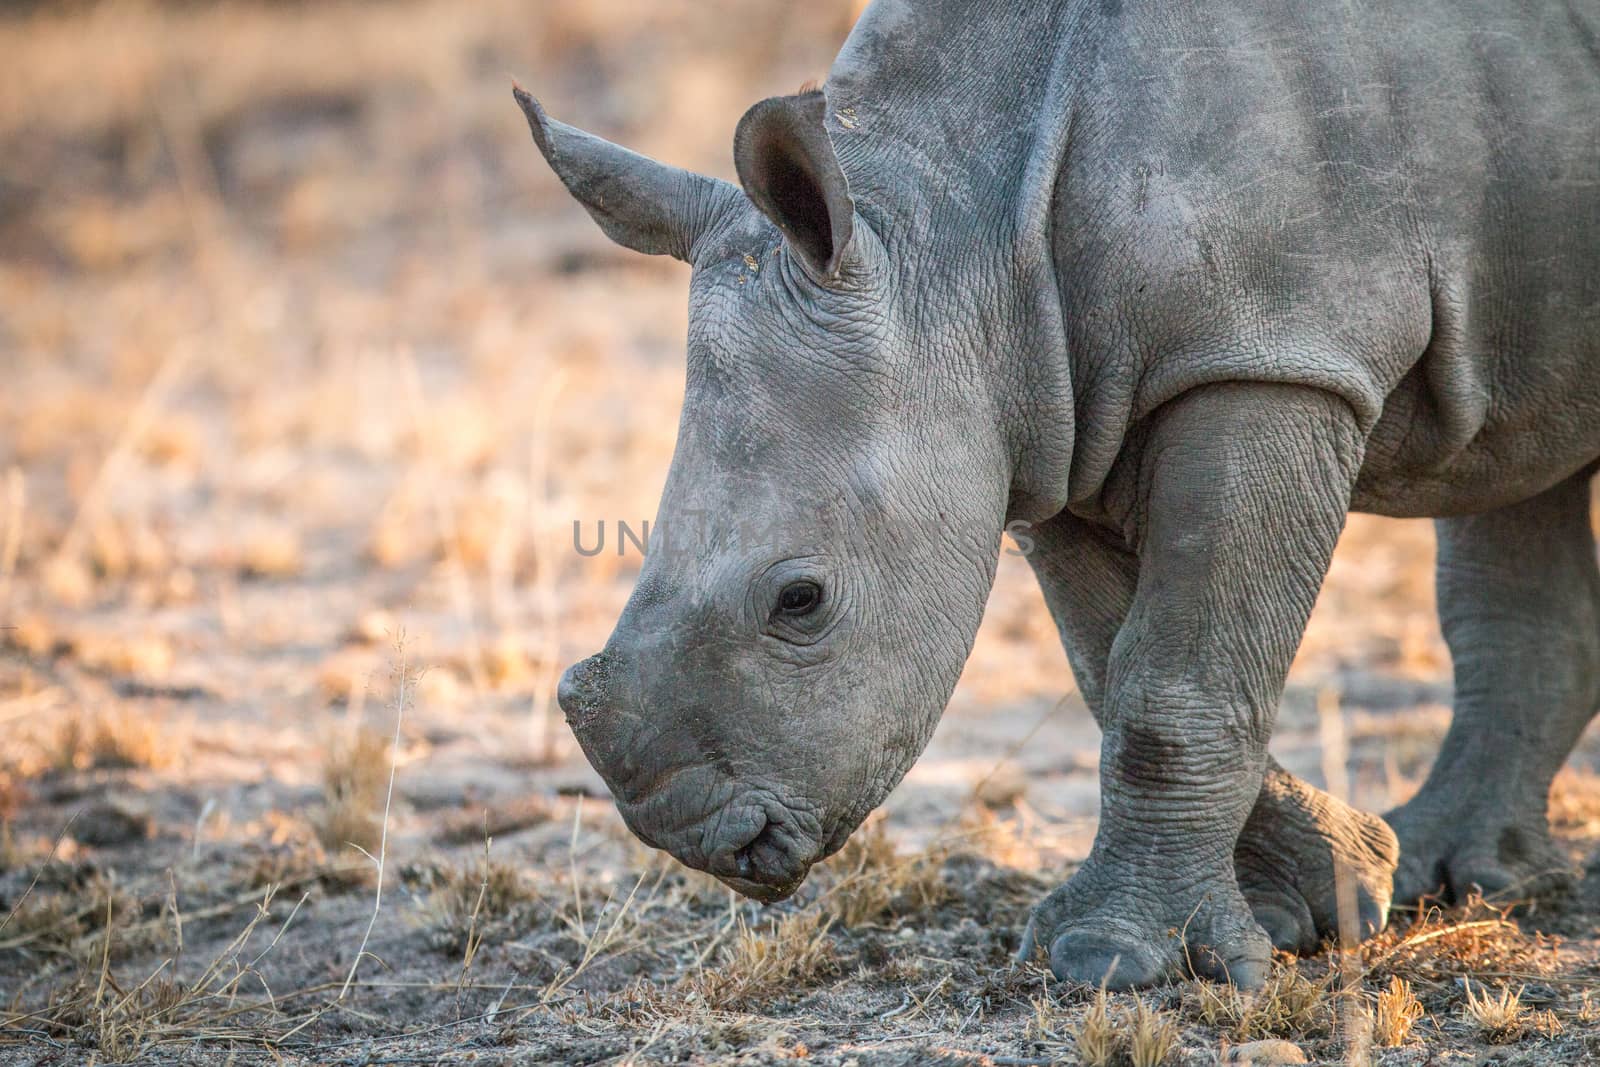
column 1293, row 850
column 1127, row 941
column 1453, row 850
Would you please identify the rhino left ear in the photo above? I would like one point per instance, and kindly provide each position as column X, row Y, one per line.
column 640, row 204
column 787, row 166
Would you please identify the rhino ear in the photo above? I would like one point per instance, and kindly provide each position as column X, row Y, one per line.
column 639, row 203
column 787, row 166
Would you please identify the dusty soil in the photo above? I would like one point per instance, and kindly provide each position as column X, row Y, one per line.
column 308, row 369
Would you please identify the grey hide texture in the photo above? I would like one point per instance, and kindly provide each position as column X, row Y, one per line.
column 1179, row 285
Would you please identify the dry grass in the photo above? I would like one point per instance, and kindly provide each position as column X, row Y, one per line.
column 122, row 1022
column 1440, row 947
column 1289, row 1005
column 1096, row 1036
column 1136, row 1035
column 355, row 775
column 1575, row 804
column 869, row 879
column 1395, row 1012
column 478, row 901
column 1500, row 1017
column 790, row 953
column 86, row 925
column 108, row 740
column 271, row 551
column 1152, row 1036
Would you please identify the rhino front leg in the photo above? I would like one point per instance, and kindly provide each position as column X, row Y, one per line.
column 1296, row 834
column 1519, row 601
column 1235, row 502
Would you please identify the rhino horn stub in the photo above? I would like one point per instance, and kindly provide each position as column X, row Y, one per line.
column 788, row 168
column 639, row 203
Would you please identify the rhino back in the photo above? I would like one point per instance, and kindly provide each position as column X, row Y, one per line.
column 1397, row 201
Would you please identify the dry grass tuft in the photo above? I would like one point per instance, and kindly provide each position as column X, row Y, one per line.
column 873, row 880
column 1096, row 1035
column 1499, row 1018
column 119, row 550
column 101, row 1012
column 1288, row 1005
column 1395, row 1011
column 125, row 655
column 87, row 924
column 300, row 861
column 1152, row 1035
column 113, row 740
column 790, row 954
column 1009, row 843
column 355, row 776
column 479, row 902
column 1134, row 1036
column 1575, row 803
column 69, row 582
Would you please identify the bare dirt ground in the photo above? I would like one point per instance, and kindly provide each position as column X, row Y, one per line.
column 307, row 368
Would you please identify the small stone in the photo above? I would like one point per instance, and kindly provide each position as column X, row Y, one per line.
column 1264, row 1054
column 113, row 821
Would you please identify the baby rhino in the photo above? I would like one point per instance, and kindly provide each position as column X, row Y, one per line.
column 1179, row 290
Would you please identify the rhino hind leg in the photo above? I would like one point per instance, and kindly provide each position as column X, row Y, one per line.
column 1519, row 603
column 1296, row 848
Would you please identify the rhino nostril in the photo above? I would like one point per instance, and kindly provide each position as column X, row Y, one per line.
column 581, row 691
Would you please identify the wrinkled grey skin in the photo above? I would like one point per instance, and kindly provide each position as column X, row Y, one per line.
column 1180, row 290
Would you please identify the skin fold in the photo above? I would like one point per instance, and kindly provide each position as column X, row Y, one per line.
column 1180, row 292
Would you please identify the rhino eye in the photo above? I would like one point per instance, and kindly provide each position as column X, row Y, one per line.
column 799, row 598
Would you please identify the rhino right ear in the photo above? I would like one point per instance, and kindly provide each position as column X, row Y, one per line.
column 788, row 167
column 639, row 203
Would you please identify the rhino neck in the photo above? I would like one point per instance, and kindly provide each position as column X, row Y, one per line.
column 950, row 120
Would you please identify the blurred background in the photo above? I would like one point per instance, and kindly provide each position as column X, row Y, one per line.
column 307, row 367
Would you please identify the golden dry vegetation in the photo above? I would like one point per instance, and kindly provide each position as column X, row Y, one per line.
column 306, row 368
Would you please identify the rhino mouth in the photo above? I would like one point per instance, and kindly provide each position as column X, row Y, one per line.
column 762, row 892
column 752, row 844
column 766, row 868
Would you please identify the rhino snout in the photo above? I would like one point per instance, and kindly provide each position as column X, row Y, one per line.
column 582, row 692
column 675, row 788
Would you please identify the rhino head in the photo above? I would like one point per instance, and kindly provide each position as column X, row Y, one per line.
column 831, row 518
